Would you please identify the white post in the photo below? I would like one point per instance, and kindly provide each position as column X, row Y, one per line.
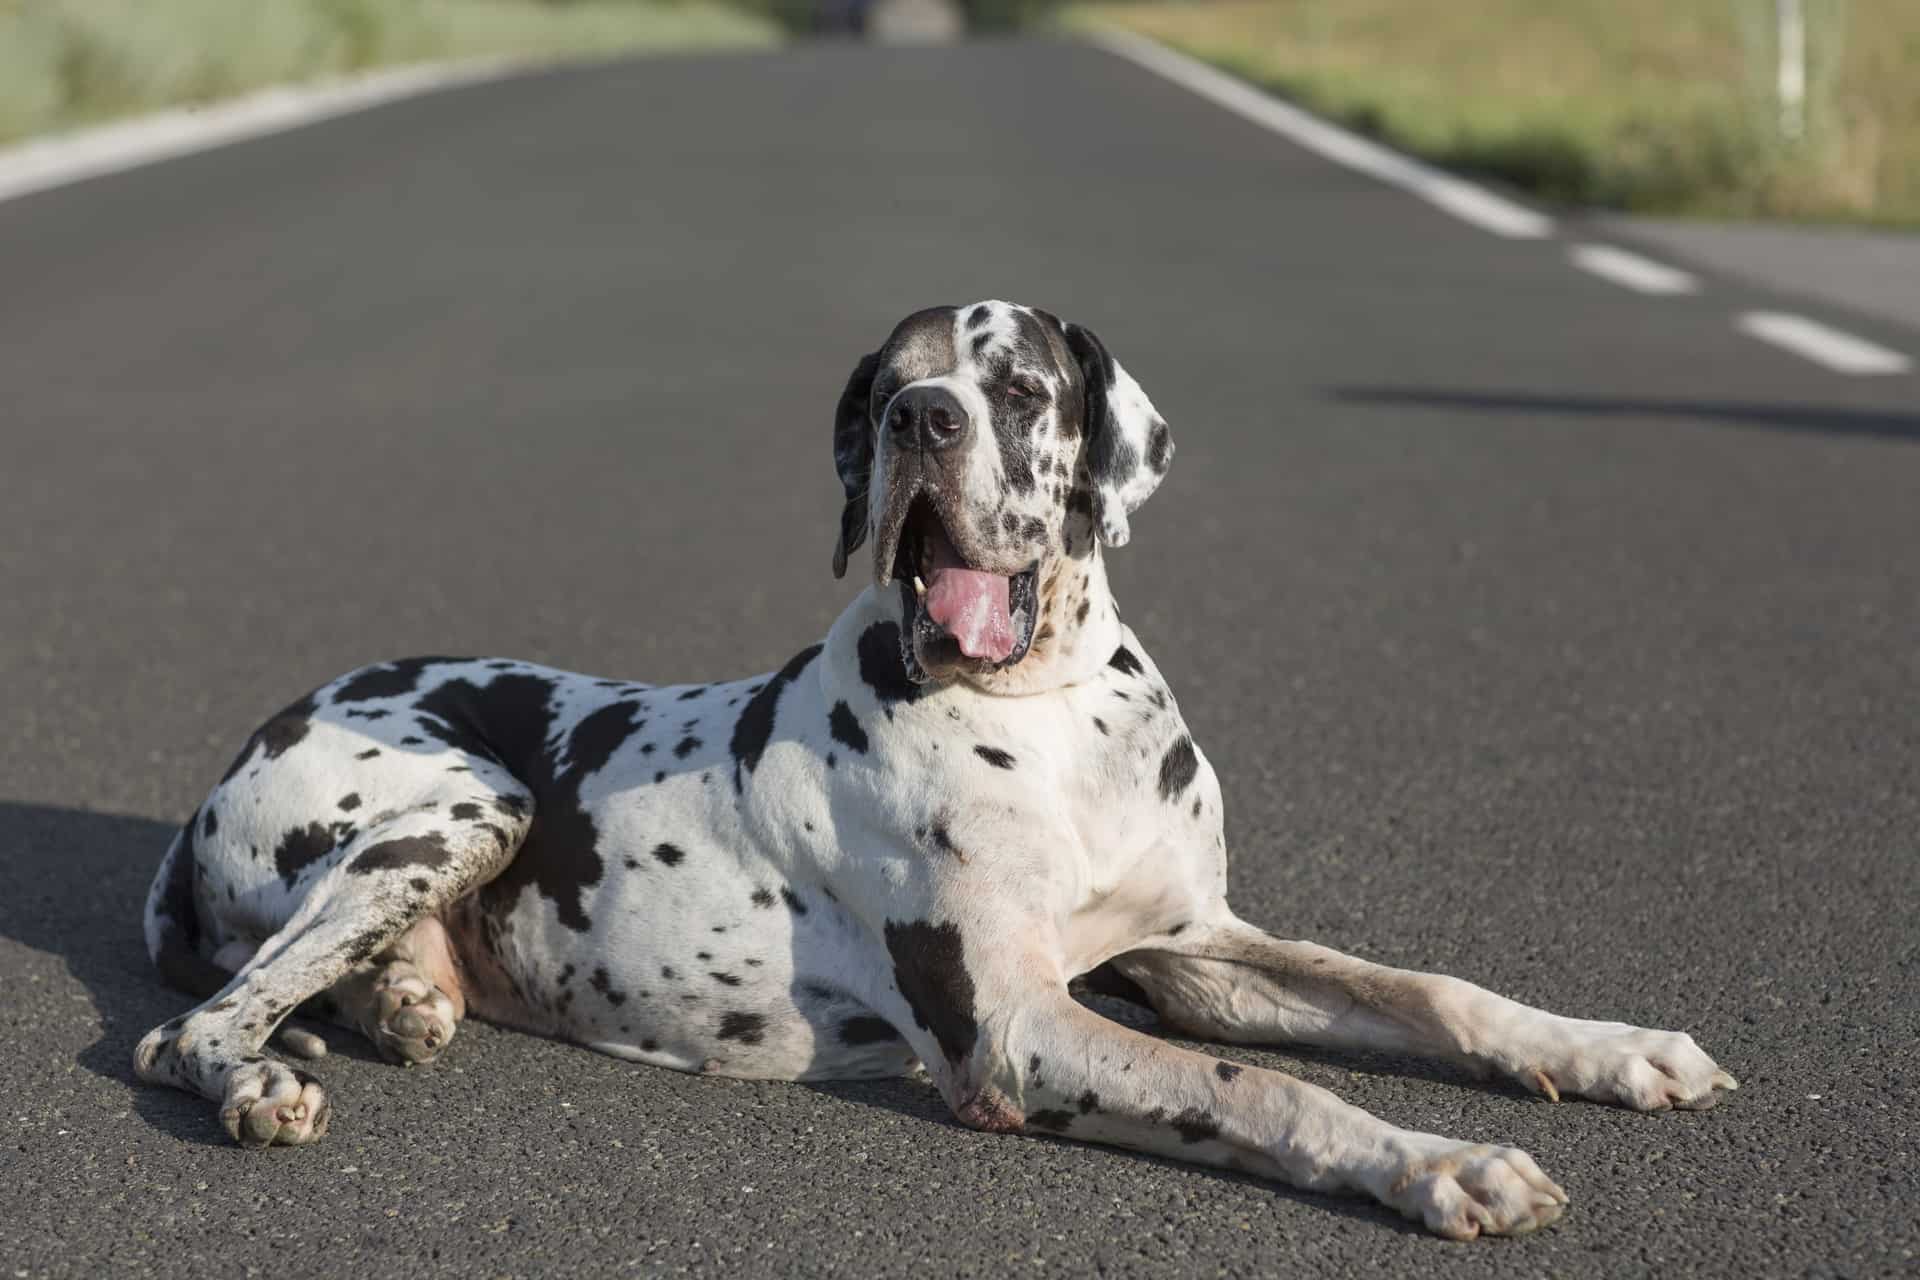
column 1791, row 80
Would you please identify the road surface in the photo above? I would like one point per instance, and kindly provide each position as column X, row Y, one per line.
column 1542, row 632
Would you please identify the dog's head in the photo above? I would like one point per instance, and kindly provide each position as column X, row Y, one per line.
column 979, row 447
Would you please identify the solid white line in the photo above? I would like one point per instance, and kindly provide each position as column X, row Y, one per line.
column 1457, row 196
column 1841, row 352
column 1631, row 270
column 63, row 158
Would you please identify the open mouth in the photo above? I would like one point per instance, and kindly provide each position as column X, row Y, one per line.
column 957, row 613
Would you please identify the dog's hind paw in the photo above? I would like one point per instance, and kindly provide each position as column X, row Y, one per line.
column 412, row 1019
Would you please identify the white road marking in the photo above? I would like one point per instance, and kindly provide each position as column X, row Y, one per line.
column 1632, row 271
column 1840, row 352
column 1457, row 196
column 51, row 162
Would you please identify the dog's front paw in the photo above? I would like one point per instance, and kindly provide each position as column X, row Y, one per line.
column 1630, row 1066
column 270, row 1104
column 1461, row 1190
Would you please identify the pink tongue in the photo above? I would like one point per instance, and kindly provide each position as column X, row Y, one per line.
column 971, row 605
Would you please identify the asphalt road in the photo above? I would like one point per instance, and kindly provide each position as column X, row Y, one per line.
column 1541, row 632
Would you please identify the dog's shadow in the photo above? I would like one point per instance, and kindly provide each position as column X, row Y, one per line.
column 918, row 1101
column 77, row 882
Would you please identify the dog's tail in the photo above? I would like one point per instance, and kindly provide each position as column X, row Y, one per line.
column 173, row 921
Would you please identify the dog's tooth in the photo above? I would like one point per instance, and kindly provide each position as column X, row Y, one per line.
column 919, row 587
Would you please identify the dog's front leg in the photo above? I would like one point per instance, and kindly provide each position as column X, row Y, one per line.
column 1046, row 1064
column 1227, row 980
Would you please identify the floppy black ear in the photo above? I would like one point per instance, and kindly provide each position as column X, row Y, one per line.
column 1128, row 447
column 853, row 458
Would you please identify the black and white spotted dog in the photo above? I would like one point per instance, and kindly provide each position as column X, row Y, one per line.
column 892, row 853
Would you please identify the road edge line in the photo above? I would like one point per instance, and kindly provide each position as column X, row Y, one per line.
column 55, row 161
column 1465, row 200
column 1824, row 345
column 1631, row 270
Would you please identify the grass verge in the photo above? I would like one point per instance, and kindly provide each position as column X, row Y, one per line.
column 65, row 63
column 1653, row 106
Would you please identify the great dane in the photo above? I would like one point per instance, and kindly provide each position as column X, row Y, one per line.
column 891, row 855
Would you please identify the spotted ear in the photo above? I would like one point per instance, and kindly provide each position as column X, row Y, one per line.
column 1128, row 447
column 853, row 458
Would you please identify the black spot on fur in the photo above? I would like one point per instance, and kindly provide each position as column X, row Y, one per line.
column 882, row 667
column 867, row 1030
column 1051, row 1119
column 1227, row 1071
column 1195, row 1125
column 725, row 979
column 1123, row 661
column 604, row 985
column 666, row 971
column 277, row 736
column 692, row 693
column 979, row 316
column 762, row 898
column 1101, row 725
column 389, row 681
column 994, row 756
column 368, row 754
column 419, row 884
column 1177, row 768
column 1159, row 448
column 1088, row 1102
column 793, row 902
column 754, row 728
column 686, row 746
column 930, row 970
column 428, row 852
column 365, row 944
column 510, row 719
column 350, row 801
column 208, row 824
column 301, row 848
column 846, row 729
column 600, row 734
column 669, row 854
column 464, row 811
column 747, row 1028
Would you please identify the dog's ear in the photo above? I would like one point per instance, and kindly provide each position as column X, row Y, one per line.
column 853, row 458
column 1128, row 447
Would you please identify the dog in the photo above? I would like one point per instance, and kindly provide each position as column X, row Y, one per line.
column 891, row 855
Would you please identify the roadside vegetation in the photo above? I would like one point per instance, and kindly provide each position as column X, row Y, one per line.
column 65, row 63
column 1653, row 106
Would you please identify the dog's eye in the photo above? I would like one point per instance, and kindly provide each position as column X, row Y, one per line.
column 1021, row 388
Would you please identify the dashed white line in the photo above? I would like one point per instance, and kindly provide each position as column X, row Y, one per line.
column 63, row 158
column 1632, row 271
column 1457, row 196
column 1838, row 351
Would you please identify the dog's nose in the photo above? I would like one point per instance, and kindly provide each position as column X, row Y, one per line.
column 931, row 417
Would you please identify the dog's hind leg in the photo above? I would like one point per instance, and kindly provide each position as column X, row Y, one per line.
column 371, row 895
